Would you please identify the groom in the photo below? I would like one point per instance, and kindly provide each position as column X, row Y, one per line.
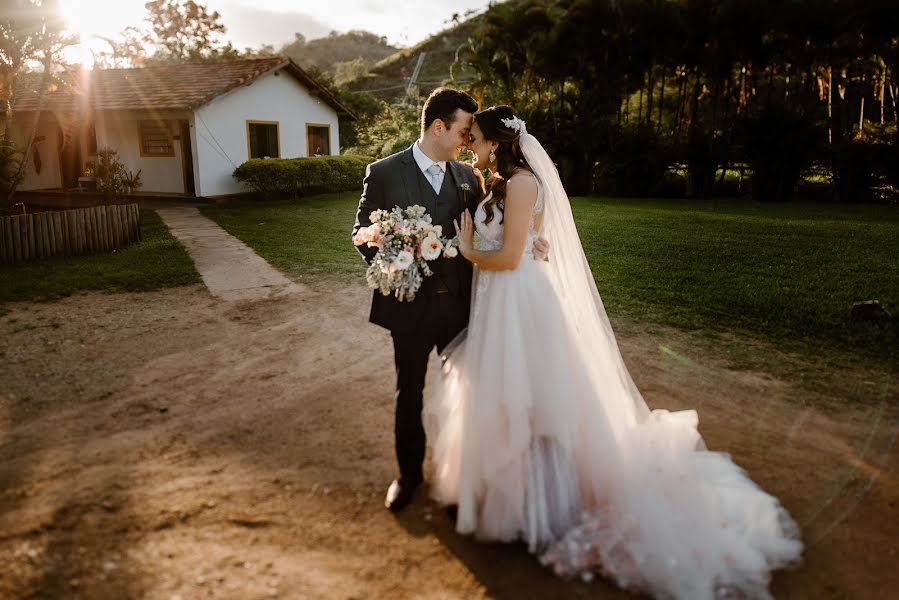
column 426, row 174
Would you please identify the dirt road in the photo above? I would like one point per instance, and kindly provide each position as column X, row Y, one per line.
column 169, row 445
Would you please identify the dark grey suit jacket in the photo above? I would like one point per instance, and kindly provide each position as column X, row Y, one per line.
column 395, row 181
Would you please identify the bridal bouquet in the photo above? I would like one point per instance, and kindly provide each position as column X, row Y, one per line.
column 406, row 240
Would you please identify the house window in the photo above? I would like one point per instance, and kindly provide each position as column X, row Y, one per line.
column 155, row 139
column 263, row 140
column 318, row 140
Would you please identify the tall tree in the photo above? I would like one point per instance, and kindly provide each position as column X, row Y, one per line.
column 130, row 49
column 183, row 30
column 31, row 34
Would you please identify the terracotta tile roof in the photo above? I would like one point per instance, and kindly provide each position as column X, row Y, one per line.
column 64, row 95
column 171, row 87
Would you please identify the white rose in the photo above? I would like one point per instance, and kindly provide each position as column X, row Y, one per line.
column 430, row 248
column 403, row 260
column 451, row 252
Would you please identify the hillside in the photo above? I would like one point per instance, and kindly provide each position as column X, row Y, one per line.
column 340, row 53
column 389, row 78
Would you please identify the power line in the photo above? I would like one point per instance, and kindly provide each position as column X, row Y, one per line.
column 212, row 135
column 393, row 87
column 402, row 85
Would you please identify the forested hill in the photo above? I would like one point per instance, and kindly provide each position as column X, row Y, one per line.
column 389, row 78
column 343, row 56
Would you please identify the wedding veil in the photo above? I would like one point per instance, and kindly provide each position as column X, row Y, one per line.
column 573, row 282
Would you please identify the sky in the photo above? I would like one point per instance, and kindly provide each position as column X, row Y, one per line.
column 256, row 22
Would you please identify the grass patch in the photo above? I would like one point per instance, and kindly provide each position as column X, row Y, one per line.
column 786, row 272
column 789, row 272
column 303, row 238
column 157, row 261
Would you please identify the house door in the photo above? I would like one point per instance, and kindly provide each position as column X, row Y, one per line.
column 187, row 159
column 69, row 148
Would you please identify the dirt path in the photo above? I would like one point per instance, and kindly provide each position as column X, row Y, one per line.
column 168, row 445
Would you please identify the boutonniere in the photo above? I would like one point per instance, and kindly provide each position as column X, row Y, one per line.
column 465, row 187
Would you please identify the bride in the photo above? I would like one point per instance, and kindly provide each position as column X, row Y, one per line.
column 539, row 434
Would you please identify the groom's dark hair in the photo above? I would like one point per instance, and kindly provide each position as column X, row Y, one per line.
column 443, row 103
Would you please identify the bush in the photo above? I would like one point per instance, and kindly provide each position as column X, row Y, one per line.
column 867, row 167
column 779, row 145
column 702, row 153
column 635, row 164
column 11, row 175
column 853, row 164
column 890, row 162
column 303, row 176
column 113, row 179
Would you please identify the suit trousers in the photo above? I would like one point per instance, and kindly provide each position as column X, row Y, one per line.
column 445, row 316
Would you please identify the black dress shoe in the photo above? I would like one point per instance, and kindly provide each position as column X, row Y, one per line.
column 452, row 511
column 399, row 494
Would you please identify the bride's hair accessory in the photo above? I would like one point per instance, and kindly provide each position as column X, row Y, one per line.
column 515, row 124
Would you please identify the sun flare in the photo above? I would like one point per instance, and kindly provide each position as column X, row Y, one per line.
column 93, row 20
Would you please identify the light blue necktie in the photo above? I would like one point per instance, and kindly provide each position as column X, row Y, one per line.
column 434, row 173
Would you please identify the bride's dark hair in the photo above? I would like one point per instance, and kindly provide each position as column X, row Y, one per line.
column 509, row 158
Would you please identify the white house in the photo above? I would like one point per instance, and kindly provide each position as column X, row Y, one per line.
column 185, row 127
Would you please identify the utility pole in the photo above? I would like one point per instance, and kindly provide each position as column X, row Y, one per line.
column 416, row 71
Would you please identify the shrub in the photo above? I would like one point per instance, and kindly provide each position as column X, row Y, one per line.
column 855, row 169
column 11, row 175
column 702, row 153
column 890, row 162
column 303, row 176
column 113, row 179
column 635, row 164
column 867, row 167
column 779, row 145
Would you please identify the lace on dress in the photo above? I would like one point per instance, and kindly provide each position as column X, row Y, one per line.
column 489, row 236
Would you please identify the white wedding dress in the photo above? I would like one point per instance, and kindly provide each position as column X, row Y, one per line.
column 538, row 433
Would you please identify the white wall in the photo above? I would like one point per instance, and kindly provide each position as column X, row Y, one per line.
column 49, row 177
column 119, row 130
column 221, row 128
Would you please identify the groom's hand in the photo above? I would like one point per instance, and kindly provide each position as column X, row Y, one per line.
column 541, row 249
column 479, row 176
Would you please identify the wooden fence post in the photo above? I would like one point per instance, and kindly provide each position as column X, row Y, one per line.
column 24, row 226
column 4, row 256
column 70, row 232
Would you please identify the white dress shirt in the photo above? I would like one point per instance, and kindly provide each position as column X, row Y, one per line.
column 425, row 163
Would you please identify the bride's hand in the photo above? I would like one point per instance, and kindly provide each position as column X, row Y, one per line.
column 465, row 232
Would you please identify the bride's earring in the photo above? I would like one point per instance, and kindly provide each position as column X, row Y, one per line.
column 492, row 156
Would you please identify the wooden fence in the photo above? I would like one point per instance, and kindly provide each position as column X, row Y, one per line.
column 69, row 232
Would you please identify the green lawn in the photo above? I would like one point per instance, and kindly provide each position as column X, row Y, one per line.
column 785, row 272
column 157, row 261
column 310, row 237
column 790, row 271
